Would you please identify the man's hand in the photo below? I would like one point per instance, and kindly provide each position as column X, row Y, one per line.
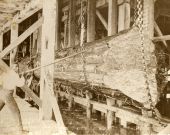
column 21, row 81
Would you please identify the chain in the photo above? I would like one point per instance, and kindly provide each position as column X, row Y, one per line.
column 140, row 24
column 82, row 38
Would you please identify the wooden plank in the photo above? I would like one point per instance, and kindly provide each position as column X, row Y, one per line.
column 102, row 19
column 55, row 107
column 32, row 95
column 159, row 33
column 91, row 19
column 72, row 23
column 161, row 38
column 112, row 17
column 21, row 38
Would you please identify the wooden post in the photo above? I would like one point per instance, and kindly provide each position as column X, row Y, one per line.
column 39, row 39
column 83, row 29
column 112, row 17
column 72, row 15
column 121, row 16
column 1, row 41
column 110, row 114
column 127, row 14
column 91, row 15
column 39, row 35
column 65, row 32
column 124, row 15
column 14, row 36
column 149, row 18
column 89, row 106
column 58, row 24
column 47, row 55
column 70, row 101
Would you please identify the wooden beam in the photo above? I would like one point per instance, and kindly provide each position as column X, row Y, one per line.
column 55, row 107
column 32, row 95
column 72, row 23
column 161, row 38
column 112, row 17
column 159, row 33
column 102, row 19
column 27, row 15
column 21, row 38
column 91, row 19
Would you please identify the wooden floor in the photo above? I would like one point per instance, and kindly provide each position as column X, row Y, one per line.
column 30, row 121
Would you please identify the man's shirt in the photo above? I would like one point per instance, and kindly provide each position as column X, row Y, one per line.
column 9, row 80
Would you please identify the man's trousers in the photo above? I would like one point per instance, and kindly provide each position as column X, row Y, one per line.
column 6, row 98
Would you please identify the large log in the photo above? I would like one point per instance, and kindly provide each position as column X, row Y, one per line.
column 115, row 63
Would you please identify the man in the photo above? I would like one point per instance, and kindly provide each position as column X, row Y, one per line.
column 8, row 82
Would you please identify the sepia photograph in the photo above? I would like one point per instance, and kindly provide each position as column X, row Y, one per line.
column 84, row 67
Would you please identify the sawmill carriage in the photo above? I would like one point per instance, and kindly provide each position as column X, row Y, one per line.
column 111, row 52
